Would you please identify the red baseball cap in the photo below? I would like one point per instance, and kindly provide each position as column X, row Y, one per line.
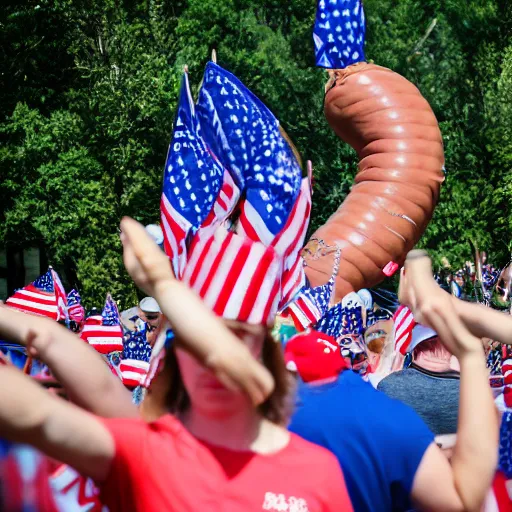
column 314, row 356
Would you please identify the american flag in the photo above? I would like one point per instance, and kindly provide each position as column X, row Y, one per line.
column 60, row 295
column 135, row 361
column 192, row 181
column 339, row 33
column 332, row 321
column 104, row 332
column 352, row 321
column 404, row 324
column 236, row 277
column 38, row 297
column 225, row 203
column 246, row 138
column 506, row 369
column 289, row 242
column 76, row 311
column 312, row 303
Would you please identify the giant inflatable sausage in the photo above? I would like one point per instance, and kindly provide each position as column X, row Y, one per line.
column 396, row 136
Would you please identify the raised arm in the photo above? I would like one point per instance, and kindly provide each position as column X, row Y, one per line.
column 464, row 485
column 77, row 366
column 31, row 415
column 485, row 322
column 197, row 329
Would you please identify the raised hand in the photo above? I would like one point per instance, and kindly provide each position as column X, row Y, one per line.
column 147, row 265
column 434, row 307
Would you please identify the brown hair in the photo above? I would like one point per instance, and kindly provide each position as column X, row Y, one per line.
column 277, row 407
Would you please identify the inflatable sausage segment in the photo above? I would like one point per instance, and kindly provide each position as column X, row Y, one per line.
column 396, row 135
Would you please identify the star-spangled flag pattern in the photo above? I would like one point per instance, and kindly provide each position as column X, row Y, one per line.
column 403, row 325
column 192, row 181
column 135, row 361
column 381, row 315
column 339, row 33
column 76, row 311
column 246, row 137
column 104, row 332
column 38, row 298
column 332, row 321
column 352, row 321
column 312, row 303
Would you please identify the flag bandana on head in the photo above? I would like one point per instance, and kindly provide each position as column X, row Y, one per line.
column 104, row 332
column 40, row 297
column 236, row 277
column 245, row 135
column 339, row 33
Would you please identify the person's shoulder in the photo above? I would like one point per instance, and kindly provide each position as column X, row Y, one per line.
column 311, row 452
column 134, row 426
column 394, row 377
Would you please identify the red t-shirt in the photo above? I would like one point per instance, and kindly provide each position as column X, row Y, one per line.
column 161, row 467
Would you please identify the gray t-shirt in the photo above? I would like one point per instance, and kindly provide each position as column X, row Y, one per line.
column 434, row 396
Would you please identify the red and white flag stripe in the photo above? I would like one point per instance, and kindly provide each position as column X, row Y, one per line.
column 175, row 229
column 60, row 296
column 31, row 300
column 236, row 277
column 290, row 239
column 104, row 338
column 133, row 372
column 304, row 313
column 403, row 326
column 289, row 243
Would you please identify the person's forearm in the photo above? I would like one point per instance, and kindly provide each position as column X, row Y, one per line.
column 485, row 322
column 78, row 367
column 475, row 454
column 86, row 377
column 196, row 326
column 31, row 415
column 23, row 406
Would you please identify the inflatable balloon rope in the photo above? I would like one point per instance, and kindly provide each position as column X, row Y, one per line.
column 395, row 133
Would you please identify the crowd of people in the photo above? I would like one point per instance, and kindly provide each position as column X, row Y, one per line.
column 235, row 384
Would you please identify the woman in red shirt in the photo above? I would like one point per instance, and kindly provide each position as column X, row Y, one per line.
column 217, row 451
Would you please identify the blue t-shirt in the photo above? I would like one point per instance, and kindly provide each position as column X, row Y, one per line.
column 379, row 442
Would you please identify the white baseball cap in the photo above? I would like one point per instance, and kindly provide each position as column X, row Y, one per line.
column 420, row 333
column 149, row 305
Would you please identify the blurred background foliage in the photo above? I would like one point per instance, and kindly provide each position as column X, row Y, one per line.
column 89, row 87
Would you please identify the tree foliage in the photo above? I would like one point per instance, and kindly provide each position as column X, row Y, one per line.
column 89, row 90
